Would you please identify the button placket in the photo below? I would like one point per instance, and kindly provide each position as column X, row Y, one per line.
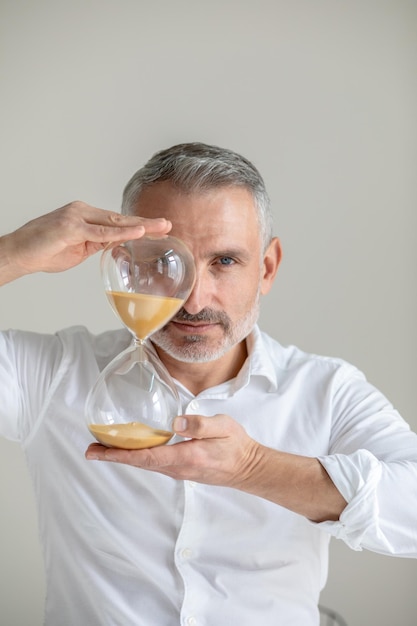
column 185, row 552
column 187, row 548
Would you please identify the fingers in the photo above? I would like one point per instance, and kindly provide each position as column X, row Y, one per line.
column 151, row 459
column 104, row 226
column 100, row 233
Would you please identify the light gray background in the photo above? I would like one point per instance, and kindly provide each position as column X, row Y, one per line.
column 322, row 96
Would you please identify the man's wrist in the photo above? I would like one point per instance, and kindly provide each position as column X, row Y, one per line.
column 9, row 269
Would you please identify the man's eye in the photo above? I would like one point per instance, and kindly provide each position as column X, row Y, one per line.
column 226, row 260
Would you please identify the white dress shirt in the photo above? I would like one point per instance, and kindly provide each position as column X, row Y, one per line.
column 127, row 547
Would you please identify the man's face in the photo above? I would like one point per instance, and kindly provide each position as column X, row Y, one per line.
column 221, row 229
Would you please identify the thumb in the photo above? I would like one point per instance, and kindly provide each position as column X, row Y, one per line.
column 180, row 425
column 201, row 427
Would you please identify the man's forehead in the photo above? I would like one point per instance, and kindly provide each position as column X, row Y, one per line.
column 220, row 219
column 227, row 203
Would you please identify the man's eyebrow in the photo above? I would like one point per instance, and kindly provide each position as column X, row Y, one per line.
column 236, row 253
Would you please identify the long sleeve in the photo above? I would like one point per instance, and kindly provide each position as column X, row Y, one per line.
column 373, row 463
column 28, row 364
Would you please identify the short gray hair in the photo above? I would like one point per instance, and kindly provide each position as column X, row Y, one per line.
column 198, row 166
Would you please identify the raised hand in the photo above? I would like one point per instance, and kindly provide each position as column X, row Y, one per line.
column 67, row 236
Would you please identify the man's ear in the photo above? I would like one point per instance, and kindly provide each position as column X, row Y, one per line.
column 272, row 259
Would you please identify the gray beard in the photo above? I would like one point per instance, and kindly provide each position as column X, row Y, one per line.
column 195, row 348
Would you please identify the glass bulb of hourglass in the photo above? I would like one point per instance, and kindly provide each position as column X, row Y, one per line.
column 134, row 400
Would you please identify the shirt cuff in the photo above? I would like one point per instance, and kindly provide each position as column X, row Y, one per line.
column 356, row 476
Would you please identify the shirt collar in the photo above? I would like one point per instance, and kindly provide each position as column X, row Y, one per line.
column 258, row 363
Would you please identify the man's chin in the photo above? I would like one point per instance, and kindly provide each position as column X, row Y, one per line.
column 191, row 349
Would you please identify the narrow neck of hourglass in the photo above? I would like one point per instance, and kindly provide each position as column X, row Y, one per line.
column 139, row 343
column 139, row 346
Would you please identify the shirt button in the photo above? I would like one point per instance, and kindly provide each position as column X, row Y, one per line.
column 191, row 621
column 186, row 553
column 194, row 405
column 191, row 483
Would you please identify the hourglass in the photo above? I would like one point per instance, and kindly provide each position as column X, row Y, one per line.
column 134, row 400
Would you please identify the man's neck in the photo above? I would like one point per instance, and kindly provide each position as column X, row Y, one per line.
column 197, row 377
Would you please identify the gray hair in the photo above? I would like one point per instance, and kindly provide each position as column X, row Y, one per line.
column 197, row 166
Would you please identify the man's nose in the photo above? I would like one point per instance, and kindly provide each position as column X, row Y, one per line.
column 199, row 296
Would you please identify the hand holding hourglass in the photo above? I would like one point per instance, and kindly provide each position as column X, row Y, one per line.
column 134, row 401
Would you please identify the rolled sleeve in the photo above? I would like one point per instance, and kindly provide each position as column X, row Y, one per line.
column 382, row 501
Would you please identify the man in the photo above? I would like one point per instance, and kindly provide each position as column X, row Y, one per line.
column 280, row 449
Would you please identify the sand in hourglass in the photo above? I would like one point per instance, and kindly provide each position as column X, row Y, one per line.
column 131, row 436
column 144, row 313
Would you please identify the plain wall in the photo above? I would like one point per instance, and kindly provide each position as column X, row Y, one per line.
column 322, row 96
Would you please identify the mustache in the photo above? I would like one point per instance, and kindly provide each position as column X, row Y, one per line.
column 205, row 315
